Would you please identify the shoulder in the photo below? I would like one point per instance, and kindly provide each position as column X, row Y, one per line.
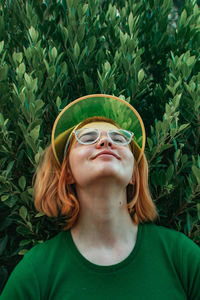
column 44, row 254
column 180, row 255
column 31, row 277
column 169, row 238
column 162, row 231
column 173, row 246
column 47, row 250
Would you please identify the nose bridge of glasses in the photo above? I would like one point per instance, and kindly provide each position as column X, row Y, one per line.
column 104, row 135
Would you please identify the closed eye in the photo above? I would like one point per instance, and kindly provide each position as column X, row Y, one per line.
column 88, row 137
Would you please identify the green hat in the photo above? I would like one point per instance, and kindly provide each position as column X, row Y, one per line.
column 95, row 105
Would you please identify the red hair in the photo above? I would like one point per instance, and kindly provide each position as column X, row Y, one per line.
column 55, row 197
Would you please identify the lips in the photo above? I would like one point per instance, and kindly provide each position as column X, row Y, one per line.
column 107, row 152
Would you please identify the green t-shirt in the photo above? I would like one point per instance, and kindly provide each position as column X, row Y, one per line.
column 163, row 265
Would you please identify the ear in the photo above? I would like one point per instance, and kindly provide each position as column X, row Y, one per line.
column 69, row 177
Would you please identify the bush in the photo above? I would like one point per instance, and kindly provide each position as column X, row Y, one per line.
column 52, row 52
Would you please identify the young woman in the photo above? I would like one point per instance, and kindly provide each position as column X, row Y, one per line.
column 95, row 176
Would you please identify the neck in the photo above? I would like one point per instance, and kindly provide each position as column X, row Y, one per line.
column 104, row 218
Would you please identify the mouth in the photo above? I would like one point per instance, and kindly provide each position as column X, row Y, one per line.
column 106, row 153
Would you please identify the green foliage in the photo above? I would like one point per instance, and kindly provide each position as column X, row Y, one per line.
column 52, row 52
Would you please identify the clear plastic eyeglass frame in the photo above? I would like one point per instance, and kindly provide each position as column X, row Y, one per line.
column 88, row 136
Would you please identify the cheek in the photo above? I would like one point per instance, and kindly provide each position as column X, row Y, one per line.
column 130, row 161
column 80, row 165
column 78, row 157
column 74, row 163
column 128, row 155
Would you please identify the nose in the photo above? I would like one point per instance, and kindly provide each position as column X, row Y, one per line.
column 104, row 141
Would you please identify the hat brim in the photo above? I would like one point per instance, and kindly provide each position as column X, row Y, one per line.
column 124, row 114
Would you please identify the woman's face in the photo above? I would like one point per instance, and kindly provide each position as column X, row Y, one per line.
column 103, row 159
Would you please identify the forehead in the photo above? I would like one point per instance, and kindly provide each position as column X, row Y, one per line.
column 100, row 125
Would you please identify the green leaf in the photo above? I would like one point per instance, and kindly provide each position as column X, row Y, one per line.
column 81, row 32
column 17, row 57
column 39, row 104
column 9, row 168
column 46, row 65
column 183, row 126
column 150, row 143
column 24, row 243
column 3, row 73
column 177, row 100
column 30, row 191
column 11, row 200
column 82, row 55
column 91, row 44
column 58, row 102
column 76, row 50
column 184, row 159
column 166, row 126
column 23, row 251
column 22, row 182
column 28, row 79
column 191, row 60
column 40, row 214
column 54, row 52
column 33, row 34
column 52, row 71
column 130, row 23
column 158, row 126
column 85, row 8
column 196, row 172
column 140, row 75
column 23, row 230
column 23, row 212
column 35, row 133
column 4, row 197
column 173, row 132
column 107, row 67
column 37, row 158
column 183, row 17
column 1, row 46
column 64, row 68
column 123, row 38
column 1, row 120
column 170, row 172
column 165, row 147
column 171, row 89
column 177, row 155
column 22, row 68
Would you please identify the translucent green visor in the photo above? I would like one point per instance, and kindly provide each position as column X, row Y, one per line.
column 107, row 106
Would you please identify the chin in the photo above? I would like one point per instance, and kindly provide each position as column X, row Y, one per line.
column 112, row 175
